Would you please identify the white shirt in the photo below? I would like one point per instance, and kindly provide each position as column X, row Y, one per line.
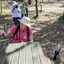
column 16, row 12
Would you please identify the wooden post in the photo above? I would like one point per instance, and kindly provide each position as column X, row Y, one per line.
column 36, row 8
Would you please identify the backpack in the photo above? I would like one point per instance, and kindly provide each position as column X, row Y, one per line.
column 18, row 27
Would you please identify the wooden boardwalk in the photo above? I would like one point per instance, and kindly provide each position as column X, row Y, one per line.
column 23, row 53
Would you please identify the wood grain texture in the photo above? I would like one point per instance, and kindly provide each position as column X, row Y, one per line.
column 24, row 53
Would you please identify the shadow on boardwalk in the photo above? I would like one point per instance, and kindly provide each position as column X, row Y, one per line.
column 3, row 57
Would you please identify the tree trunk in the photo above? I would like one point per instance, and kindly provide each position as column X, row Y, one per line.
column 36, row 8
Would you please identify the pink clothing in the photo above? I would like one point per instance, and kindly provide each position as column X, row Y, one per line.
column 21, row 35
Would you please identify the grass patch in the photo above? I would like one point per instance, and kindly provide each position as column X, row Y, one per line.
column 61, row 18
column 59, row 15
column 4, row 3
column 4, row 12
column 40, row 11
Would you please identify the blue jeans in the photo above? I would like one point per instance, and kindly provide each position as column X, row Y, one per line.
column 16, row 21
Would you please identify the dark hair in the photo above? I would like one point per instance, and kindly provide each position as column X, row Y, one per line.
column 16, row 6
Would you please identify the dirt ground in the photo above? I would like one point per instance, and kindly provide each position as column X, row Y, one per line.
column 48, row 29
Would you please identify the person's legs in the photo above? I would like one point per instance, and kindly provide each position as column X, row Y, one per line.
column 56, row 53
column 16, row 21
column 26, row 15
column 21, row 15
column 27, row 12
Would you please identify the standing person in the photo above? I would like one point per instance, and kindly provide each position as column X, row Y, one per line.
column 24, row 9
column 57, row 51
column 15, row 9
column 21, row 33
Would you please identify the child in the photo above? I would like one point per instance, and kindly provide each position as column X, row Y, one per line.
column 15, row 9
column 57, row 51
column 24, row 10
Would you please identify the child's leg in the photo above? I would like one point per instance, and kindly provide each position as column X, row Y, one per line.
column 22, row 15
column 14, row 20
column 56, row 53
column 27, row 12
column 25, row 15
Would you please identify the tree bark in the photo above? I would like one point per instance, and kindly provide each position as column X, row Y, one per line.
column 36, row 8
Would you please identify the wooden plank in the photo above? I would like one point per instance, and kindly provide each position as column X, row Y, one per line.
column 29, row 59
column 41, row 54
column 15, row 58
column 8, row 49
column 36, row 59
column 22, row 54
column 43, row 58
